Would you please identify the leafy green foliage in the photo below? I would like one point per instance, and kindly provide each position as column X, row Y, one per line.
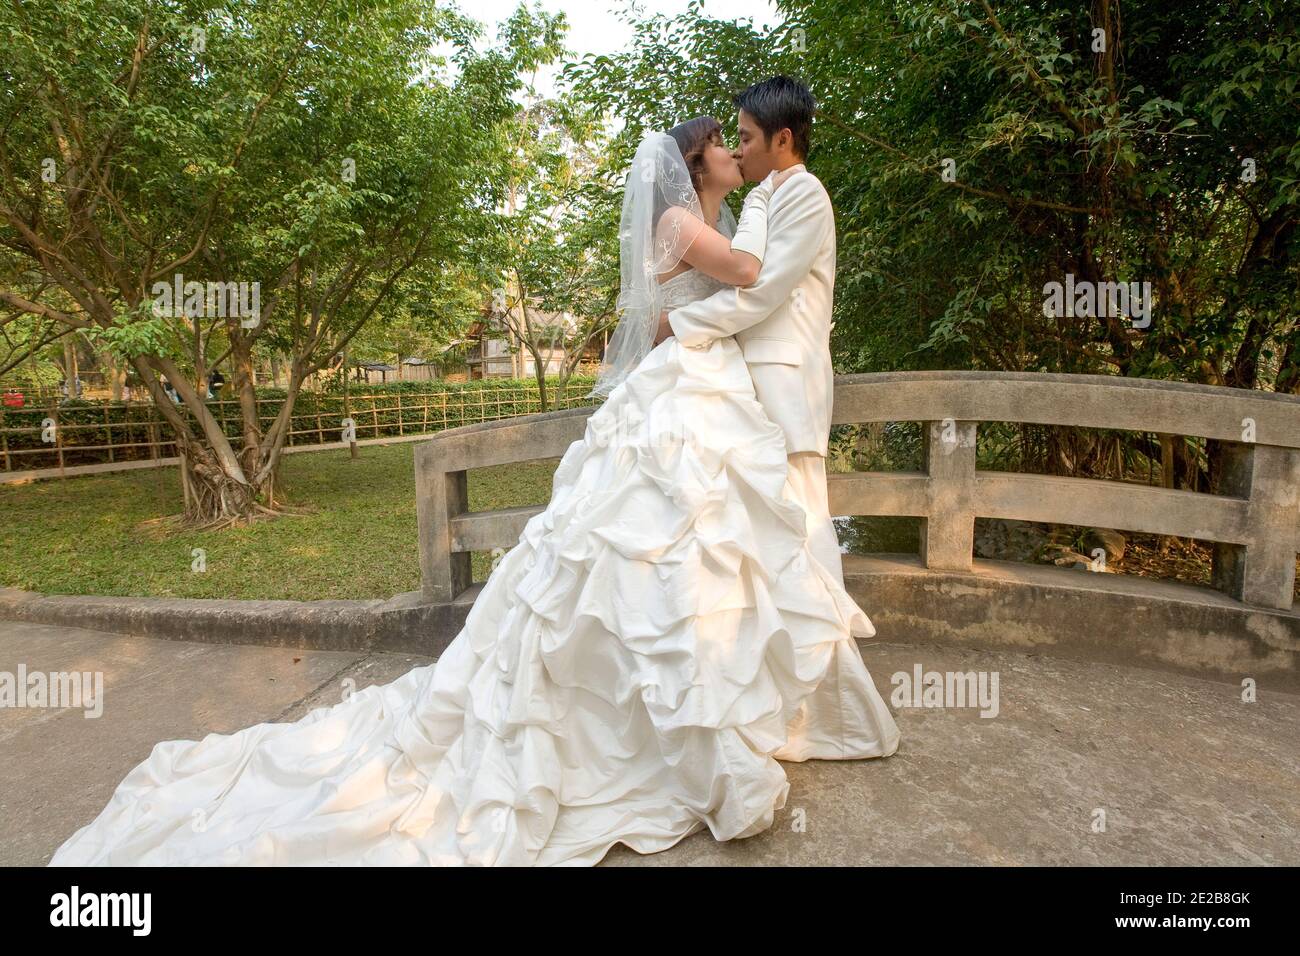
column 1123, row 164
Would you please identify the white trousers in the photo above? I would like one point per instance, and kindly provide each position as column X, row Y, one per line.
column 807, row 480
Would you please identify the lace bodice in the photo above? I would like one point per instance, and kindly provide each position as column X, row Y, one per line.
column 689, row 286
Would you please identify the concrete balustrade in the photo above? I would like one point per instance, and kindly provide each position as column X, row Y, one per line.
column 1254, row 523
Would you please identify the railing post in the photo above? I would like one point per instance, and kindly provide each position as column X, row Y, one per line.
column 948, row 529
column 1262, row 571
column 108, row 432
column 440, row 496
column 58, row 437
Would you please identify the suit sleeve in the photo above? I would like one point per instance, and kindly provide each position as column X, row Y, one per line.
column 797, row 228
column 751, row 230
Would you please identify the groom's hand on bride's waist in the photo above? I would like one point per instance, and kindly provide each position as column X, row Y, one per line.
column 666, row 331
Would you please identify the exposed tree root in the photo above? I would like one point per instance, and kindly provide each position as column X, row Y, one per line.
column 175, row 524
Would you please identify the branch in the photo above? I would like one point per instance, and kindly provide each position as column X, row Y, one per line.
column 35, row 308
column 1052, row 96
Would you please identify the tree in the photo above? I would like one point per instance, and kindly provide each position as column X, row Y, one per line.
column 429, row 311
column 976, row 151
column 186, row 183
column 554, row 249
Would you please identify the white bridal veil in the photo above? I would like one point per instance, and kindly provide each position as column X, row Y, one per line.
column 657, row 181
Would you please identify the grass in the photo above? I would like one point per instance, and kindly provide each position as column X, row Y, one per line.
column 86, row 535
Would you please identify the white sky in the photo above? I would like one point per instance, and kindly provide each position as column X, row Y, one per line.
column 593, row 27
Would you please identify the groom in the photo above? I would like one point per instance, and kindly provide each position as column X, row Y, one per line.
column 782, row 321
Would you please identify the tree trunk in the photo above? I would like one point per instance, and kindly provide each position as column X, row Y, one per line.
column 70, row 370
column 541, row 384
column 218, row 487
column 200, row 361
column 116, row 372
column 215, row 496
column 241, row 361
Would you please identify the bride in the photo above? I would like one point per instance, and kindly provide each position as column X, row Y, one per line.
column 633, row 669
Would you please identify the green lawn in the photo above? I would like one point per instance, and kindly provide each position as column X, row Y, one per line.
column 84, row 535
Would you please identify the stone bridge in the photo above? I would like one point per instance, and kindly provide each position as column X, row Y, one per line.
column 1242, row 627
column 1186, row 765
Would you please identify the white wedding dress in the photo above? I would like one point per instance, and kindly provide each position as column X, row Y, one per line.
column 631, row 672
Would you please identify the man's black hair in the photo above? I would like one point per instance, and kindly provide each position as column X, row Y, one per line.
column 780, row 103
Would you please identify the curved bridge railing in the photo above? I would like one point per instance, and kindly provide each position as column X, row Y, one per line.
column 1254, row 522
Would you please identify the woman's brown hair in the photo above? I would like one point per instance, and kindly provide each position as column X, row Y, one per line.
column 693, row 138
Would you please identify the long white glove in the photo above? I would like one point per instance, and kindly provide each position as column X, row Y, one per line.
column 751, row 228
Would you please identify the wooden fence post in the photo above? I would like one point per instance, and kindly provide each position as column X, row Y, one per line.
column 58, row 437
column 108, row 430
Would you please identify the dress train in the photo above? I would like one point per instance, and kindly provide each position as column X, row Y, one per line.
column 632, row 671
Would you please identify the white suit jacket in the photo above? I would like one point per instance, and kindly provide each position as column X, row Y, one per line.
column 783, row 321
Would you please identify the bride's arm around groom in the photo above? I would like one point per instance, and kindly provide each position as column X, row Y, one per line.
column 801, row 222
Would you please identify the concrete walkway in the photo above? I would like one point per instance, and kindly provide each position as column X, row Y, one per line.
column 1186, row 772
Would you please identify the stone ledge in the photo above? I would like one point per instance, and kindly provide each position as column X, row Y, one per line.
column 1077, row 615
column 402, row 623
column 1080, row 615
